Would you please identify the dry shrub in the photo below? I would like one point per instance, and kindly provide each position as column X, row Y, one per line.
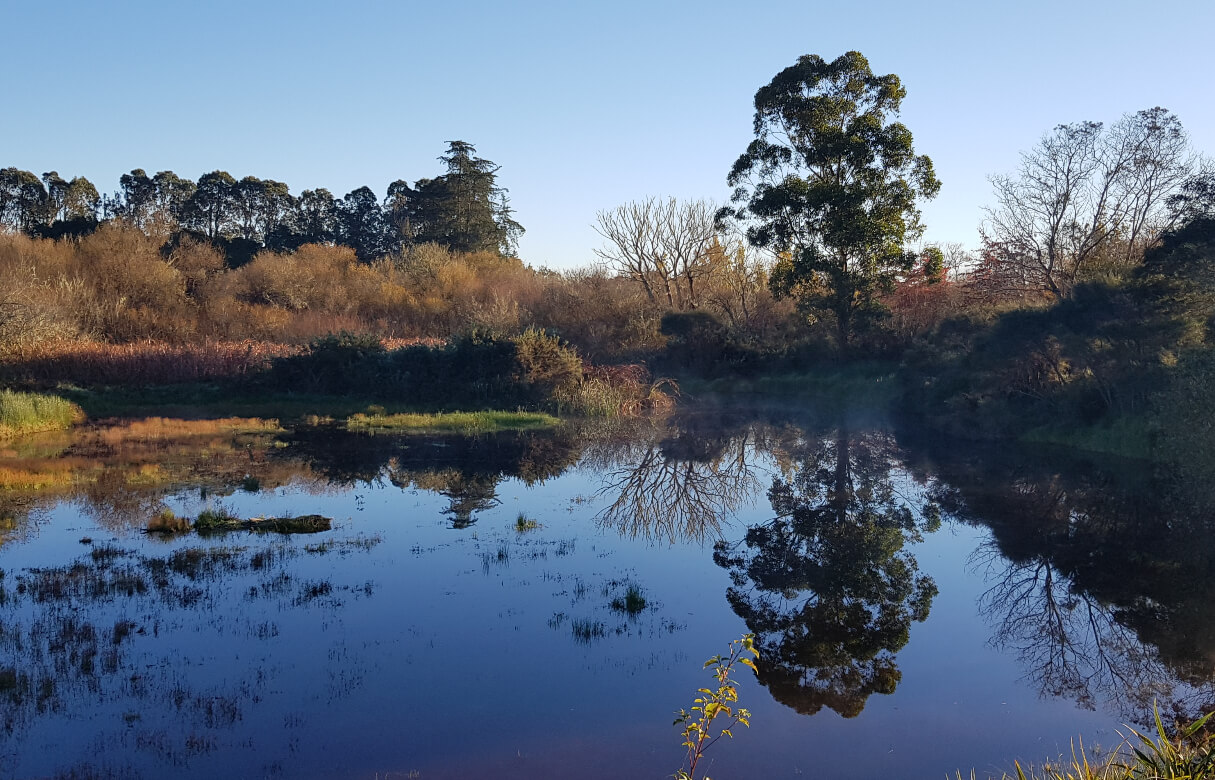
column 136, row 293
column 196, row 261
column 917, row 307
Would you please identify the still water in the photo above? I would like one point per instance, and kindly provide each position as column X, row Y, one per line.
column 541, row 604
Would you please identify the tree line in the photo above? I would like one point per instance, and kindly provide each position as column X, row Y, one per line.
column 463, row 209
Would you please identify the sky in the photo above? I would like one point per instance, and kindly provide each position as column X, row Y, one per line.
column 585, row 106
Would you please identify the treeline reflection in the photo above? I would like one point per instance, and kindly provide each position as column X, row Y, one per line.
column 1098, row 576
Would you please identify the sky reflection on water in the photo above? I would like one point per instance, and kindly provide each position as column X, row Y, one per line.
column 930, row 610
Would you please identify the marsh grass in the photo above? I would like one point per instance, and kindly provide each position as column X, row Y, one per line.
column 866, row 384
column 524, row 523
column 1187, row 754
column 586, row 631
column 462, row 422
column 220, row 520
column 633, row 602
column 24, row 413
column 167, row 523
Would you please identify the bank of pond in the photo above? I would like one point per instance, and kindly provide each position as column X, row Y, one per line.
column 258, row 597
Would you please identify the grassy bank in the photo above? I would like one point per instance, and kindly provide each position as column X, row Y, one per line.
column 24, row 413
column 867, row 384
column 459, row 422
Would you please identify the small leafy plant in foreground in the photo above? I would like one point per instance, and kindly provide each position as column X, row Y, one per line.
column 710, row 705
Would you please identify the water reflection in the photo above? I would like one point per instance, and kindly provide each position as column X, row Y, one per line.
column 827, row 585
column 1094, row 579
column 1098, row 577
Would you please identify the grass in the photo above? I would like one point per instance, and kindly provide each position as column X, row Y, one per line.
column 632, row 602
column 461, row 422
column 25, row 413
column 1187, row 754
column 167, row 523
column 525, row 523
column 869, row 384
column 220, row 520
column 1128, row 437
column 586, row 631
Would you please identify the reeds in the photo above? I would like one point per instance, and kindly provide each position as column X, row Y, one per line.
column 23, row 413
column 462, row 422
column 144, row 362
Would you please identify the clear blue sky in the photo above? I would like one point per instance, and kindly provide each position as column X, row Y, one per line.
column 585, row 106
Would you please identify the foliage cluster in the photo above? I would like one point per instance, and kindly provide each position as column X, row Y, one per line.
column 475, row 370
column 1140, row 349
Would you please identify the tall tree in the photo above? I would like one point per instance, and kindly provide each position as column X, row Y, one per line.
column 362, row 224
column 23, row 200
column 316, row 216
column 259, row 206
column 210, row 209
column 831, row 184
column 466, row 209
column 1084, row 199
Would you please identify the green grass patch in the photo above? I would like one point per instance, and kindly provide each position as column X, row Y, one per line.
column 1126, row 437
column 23, row 413
column 632, row 602
column 461, row 422
column 862, row 384
column 220, row 520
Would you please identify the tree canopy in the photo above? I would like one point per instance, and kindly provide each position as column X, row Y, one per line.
column 464, row 210
column 830, row 184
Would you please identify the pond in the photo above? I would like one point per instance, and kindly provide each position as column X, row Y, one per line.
column 540, row 604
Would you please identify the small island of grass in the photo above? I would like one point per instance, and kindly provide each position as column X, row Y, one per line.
column 461, row 422
column 25, row 413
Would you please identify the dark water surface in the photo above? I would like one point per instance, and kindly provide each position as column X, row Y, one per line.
column 919, row 608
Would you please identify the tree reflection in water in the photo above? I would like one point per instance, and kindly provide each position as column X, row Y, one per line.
column 679, row 488
column 1098, row 579
column 827, row 585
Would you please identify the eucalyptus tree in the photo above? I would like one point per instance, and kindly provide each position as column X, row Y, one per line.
column 830, row 184
column 362, row 225
column 23, row 200
column 259, row 206
column 315, row 217
column 209, row 210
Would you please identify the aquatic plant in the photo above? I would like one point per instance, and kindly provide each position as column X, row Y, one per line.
column 23, row 413
column 632, row 602
column 166, row 522
column 698, row 731
column 463, row 422
column 525, row 523
column 585, row 630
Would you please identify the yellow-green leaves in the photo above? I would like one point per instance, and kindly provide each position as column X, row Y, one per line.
column 713, row 704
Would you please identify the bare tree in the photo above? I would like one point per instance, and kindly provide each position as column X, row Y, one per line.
column 1083, row 198
column 663, row 244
